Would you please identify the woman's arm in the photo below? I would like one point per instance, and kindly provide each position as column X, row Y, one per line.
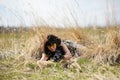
column 43, row 61
column 44, row 57
column 67, row 55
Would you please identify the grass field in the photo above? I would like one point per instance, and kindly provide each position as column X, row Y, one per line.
column 19, row 52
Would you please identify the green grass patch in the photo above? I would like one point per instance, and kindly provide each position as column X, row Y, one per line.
column 83, row 61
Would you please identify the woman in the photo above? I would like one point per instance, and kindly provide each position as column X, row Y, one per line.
column 54, row 48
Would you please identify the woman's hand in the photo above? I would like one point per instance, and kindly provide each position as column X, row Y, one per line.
column 43, row 61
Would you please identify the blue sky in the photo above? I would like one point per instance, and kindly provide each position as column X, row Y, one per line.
column 59, row 12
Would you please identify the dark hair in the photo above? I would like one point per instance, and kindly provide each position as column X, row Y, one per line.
column 50, row 40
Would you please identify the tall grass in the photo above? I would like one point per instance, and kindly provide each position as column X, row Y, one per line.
column 20, row 51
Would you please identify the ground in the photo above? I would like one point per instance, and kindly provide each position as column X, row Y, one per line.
column 100, row 61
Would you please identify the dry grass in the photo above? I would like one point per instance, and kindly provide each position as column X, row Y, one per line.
column 108, row 52
column 20, row 51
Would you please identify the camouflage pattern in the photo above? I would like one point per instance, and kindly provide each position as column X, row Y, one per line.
column 73, row 47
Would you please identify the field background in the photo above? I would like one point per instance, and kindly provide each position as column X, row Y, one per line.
column 20, row 48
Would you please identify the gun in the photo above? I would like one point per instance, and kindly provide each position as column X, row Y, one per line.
column 58, row 56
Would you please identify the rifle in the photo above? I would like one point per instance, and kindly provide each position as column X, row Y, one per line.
column 58, row 56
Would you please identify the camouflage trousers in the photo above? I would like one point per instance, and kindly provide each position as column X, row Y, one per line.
column 75, row 48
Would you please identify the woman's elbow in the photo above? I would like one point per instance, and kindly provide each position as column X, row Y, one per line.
column 68, row 56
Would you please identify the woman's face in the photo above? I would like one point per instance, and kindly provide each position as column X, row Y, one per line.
column 52, row 47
